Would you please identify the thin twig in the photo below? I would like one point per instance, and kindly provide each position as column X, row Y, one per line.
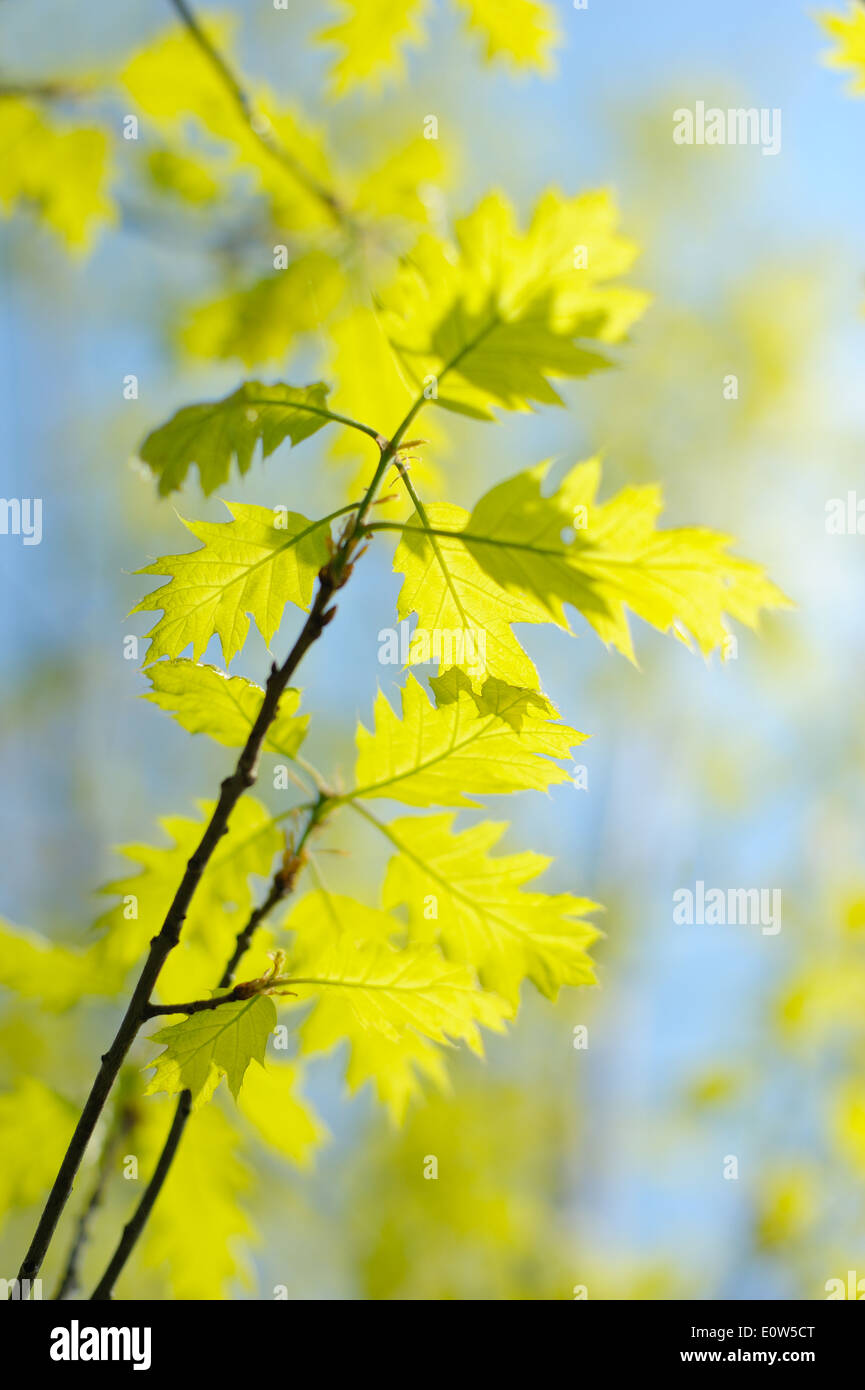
column 151, row 1192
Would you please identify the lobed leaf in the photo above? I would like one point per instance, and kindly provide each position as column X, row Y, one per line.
column 500, row 739
column 252, row 565
column 521, row 555
column 204, row 700
column 204, row 1047
column 493, row 320
column 217, row 434
column 483, row 917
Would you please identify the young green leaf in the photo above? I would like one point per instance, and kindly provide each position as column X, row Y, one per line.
column 454, row 595
column 204, row 700
column 387, row 1004
column 206, row 1046
column 196, row 1233
column 520, row 556
column 252, row 565
column 218, row 433
column 483, row 916
column 494, row 322
column 467, row 744
column 680, row 580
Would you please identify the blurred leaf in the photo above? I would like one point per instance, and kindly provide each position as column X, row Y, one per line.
column 183, row 177
column 481, row 915
column 260, row 323
column 195, row 1228
column 218, row 911
column 849, row 30
column 61, row 174
column 35, row 1127
column 39, row 969
column 284, row 1121
column 372, row 35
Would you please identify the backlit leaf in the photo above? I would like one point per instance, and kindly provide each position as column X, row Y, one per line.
column 205, row 700
column 483, row 915
column 499, row 740
column 252, row 565
column 206, row 1046
column 217, row 434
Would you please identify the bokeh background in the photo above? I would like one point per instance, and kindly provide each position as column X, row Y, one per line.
column 601, row 1167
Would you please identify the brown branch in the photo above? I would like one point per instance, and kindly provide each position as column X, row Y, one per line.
column 331, row 578
column 154, row 1187
column 123, row 1122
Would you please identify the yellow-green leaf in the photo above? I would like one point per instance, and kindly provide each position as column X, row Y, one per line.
column 501, row 739
column 483, row 917
column 252, row 565
column 219, row 433
column 61, row 173
column 464, row 616
column 206, row 1046
column 522, row 31
column 388, row 1004
column 493, row 320
column 680, row 580
column 372, row 35
column 204, row 700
